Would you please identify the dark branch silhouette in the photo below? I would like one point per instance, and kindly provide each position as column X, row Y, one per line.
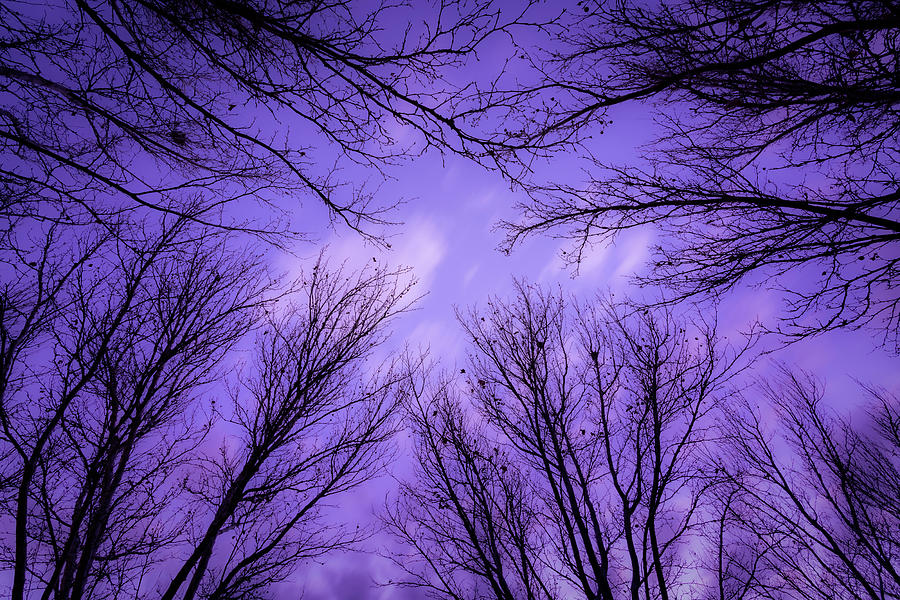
column 811, row 506
column 777, row 158
column 312, row 424
column 112, row 364
column 567, row 461
column 111, row 107
column 600, row 452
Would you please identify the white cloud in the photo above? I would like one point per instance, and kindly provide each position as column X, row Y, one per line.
column 610, row 264
column 421, row 246
column 442, row 340
column 633, row 250
column 470, row 275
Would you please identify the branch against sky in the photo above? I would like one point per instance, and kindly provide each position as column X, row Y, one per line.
column 313, row 416
column 809, row 509
column 114, row 106
column 566, row 460
column 777, row 154
column 602, row 451
column 107, row 346
column 169, row 430
column 114, row 351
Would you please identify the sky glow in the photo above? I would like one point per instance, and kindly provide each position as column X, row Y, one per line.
column 382, row 139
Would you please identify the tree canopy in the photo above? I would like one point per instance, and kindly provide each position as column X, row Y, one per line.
column 188, row 107
column 777, row 159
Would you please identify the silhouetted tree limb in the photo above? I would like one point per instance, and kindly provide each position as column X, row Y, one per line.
column 777, row 154
column 92, row 419
column 110, row 358
column 311, row 423
column 812, row 511
column 109, row 107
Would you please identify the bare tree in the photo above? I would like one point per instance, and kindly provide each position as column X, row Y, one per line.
column 810, row 508
column 777, row 155
column 311, row 419
column 111, row 107
column 468, row 521
column 576, row 468
column 112, row 362
column 114, row 355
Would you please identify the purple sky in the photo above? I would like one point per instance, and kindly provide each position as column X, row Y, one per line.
column 451, row 208
column 447, row 236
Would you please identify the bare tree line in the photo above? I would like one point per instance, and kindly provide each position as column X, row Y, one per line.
column 599, row 449
column 606, row 451
column 119, row 383
column 185, row 107
column 776, row 155
column 776, row 159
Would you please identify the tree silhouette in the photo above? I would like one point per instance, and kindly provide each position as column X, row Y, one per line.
column 575, row 469
column 113, row 362
column 777, row 154
column 601, row 452
column 313, row 425
column 809, row 508
column 111, row 107
column 83, row 386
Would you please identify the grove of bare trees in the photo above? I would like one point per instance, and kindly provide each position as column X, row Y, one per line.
column 599, row 452
column 809, row 508
column 139, row 447
column 186, row 107
column 181, row 419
